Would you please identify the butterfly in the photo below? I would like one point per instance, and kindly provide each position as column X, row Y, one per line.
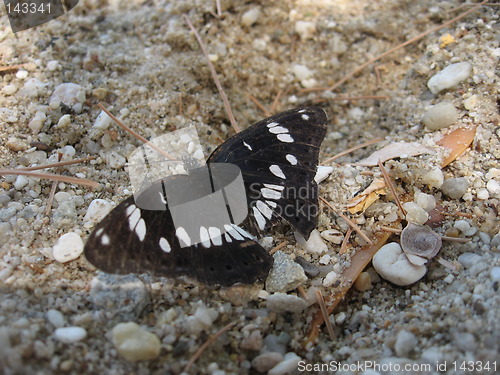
column 277, row 157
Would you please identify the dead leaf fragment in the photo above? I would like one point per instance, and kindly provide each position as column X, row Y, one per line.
column 457, row 142
column 366, row 198
column 392, row 151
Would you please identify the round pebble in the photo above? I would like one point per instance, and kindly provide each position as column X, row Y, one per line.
column 56, row 318
column 449, row 77
column 70, row 94
column 9, row 89
column 493, row 187
column 455, row 188
column 97, row 210
column 281, row 302
column 332, row 235
column 134, row 343
column 392, row 264
column 415, row 213
column 426, row 201
column 102, row 121
column 304, row 75
column 363, row 282
column 433, row 178
column 495, row 274
column 266, row 361
column 37, row 122
column 21, row 182
column 440, row 116
column 64, row 121
column 250, row 17
column 115, row 160
column 305, row 29
column 70, row 335
column 405, row 343
column 289, row 364
column 202, row 319
column 68, row 247
column 482, row 194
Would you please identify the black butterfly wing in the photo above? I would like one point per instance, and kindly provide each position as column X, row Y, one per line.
column 278, row 158
column 134, row 240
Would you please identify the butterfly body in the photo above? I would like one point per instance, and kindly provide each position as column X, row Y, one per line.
column 277, row 158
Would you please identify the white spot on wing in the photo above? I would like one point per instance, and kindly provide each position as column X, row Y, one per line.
column 243, row 232
column 105, row 240
column 285, row 138
column 302, row 110
column 265, row 209
column 164, row 245
column 270, row 194
column 305, row 117
column 247, row 145
column 140, row 229
column 272, row 204
column 204, row 237
column 134, row 218
column 261, row 221
column 215, row 235
column 275, row 187
column 230, row 229
column 162, row 198
column 271, row 124
column 291, row 159
column 183, row 236
column 99, row 231
column 130, row 209
column 276, row 170
column 227, row 237
column 278, row 130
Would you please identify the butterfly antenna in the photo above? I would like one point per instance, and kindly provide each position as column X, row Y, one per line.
column 214, row 76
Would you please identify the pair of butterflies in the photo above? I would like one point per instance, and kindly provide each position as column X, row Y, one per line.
column 278, row 159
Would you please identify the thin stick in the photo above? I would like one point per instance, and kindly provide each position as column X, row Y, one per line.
column 51, row 176
column 322, row 306
column 412, row 40
column 51, row 197
column 389, row 183
column 206, row 344
column 345, row 241
column 11, row 67
column 349, row 221
column 219, row 8
column 135, row 134
column 302, row 292
column 214, row 76
column 259, row 105
column 444, row 238
column 345, row 152
column 60, row 164
column 351, row 98
column 277, row 247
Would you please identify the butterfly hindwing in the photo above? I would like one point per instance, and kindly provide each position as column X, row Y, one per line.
column 278, row 158
column 134, row 240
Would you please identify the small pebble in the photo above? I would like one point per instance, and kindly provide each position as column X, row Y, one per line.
column 415, row 213
column 52, row 65
column 281, row 302
column 483, row 194
column 250, row 17
column 97, row 210
column 61, row 196
column 37, row 122
column 252, row 342
column 15, row 144
column 330, row 278
column 266, row 361
column 70, row 335
column 470, row 103
column 440, row 116
column 70, row 94
column 420, row 240
column 333, row 236
column 493, row 187
column 314, row 245
column 434, row 178
column 305, row 29
column 68, row 247
column 115, row 160
column 464, row 227
column 64, row 121
column 468, row 260
column 426, row 201
column 21, row 182
column 363, row 282
column 201, row 320
column 322, row 173
column 287, row 366
column 9, row 89
column 285, row 275
column 134, row 343
column 22, row 74
column 455, row 188
column 102, row 121
column 495, row 274
column 449, row 77
column 392, row 264
column 405, row 343
column 304, row 75
column 56, row 318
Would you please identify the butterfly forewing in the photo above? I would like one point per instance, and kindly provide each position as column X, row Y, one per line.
column 278, row 158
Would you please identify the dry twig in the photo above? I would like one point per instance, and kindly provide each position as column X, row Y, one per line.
column 389, row 183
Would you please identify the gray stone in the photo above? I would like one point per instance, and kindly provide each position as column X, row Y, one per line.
column 286, row 275
column 455, row 188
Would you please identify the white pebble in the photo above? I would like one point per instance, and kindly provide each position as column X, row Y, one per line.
column 415, row 213
column 493, row 187
column 62, row 196
column 470, row 103
column 115, row 160
column 426, row 201
column 314, row 244
column 468, row 260
column 282, row 302
column 56, row 318
column 68, row 152
column 37, row 122
column 449, row 77
column 202, row 319
column 332, row 235
column 464, row 227
column 405, row 343
column 97, row 210
column 304, row 75
column 330, row 278
column 68, row 247
column 21, row 182
column 287, row 366
column 483, row 194
column 322, row 173
column 433, row 178
column 69, row 335
column 440, row 116
column 134, row 343
column 250, row 17
column 102, row 121
column 52, row 65
column 64, row 121
column 305, row 29
column 22, row 74
column 392, row 264
column 33, row 87
column 495, row 274
column 69, row 94
column 9, row 89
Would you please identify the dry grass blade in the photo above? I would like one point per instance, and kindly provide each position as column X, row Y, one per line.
column 412, row 40
column 135, row 134
column 51, row 176
column 350, row 98
column 359, row 261
column 51, row 197
column 349, row 221
column 214, row 76
column 444, row 238
column 202, row 348
column 11, row 67
column 345, row 241
column 277, row 247
column 324, row 311
column 389, row 183
column 354, row 148
column 60, row 164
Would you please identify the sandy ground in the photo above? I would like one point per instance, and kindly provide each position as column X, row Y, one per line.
column 140, row 61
